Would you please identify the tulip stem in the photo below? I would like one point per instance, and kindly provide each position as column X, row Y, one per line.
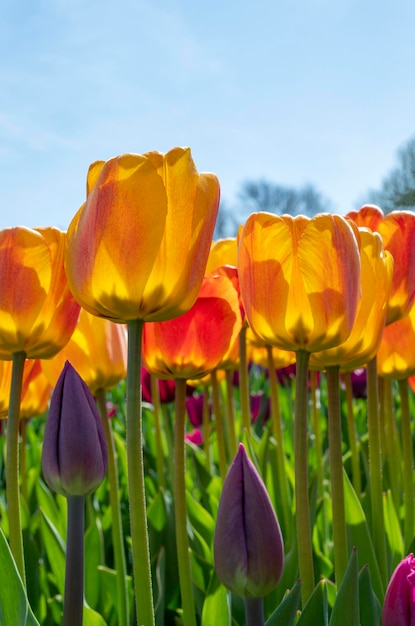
column 392, row 452
column 73, row 601
column 254, row 611
column 116, row 526
column 408, row 464
column 206, row 427
column 220, row 435
column 243, row 383
column 136, row 487
column 230, row 415
column 185, row 576
column 336, row 473
column 155, row 397
column 305, row 551
column 351, row 431
column 375, row 469
column 12, row 464
column 278, row 435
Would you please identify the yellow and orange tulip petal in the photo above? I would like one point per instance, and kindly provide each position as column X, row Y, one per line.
column 97, row 350
column 397, row 230
column 376, row 273
column 299, row 279
column 35, row 390
column 193, row 344
column 138, row 247
column 37, row 311
column 222, row 252
column 396, row 354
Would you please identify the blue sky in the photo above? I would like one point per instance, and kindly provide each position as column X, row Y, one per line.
column 291, row 91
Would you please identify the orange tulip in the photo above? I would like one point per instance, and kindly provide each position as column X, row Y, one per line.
column 299, row 279
column 138, row 248
column 376, row 282
column 194, row 344
column 397, row 230
column 396, row 354
column 35, row 389
column 97, row 350
column 37, row 311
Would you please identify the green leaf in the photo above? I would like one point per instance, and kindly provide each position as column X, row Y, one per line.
column 92, row 618
column 93, row 558
column 370, row 607
column 358, row 535
column 346, row 607
column 392, row 530
column 55, row 551
column 216, row 609
column 286, row 612
column 13, row 600
column 316, row 610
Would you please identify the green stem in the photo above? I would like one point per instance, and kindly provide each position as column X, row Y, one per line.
column 375, row 469
column 243, row 383
column 23, row 458
column 185, row 577
column 220, row 435
column 136, row 488
column 206, row 428
column 351, row 431
column 254, row 611
column 155, row 396
column 116, row 526
column 392, row 451
column 12, row 464
column 408, row 464
column 305, row 552
column 336, row 473
column 230, row 414
column 318, row 449
column 73, row 600
column 278, row 435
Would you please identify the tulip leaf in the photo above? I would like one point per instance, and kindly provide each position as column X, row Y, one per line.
column 13, row 600
column 358, row 535
column 346, row 607
column 392, row 530
column 316, row 610
column 55, row 551
column 216, row 609
column 91, row 617
column 370, row 607
column 286, row 612
column 93, row 558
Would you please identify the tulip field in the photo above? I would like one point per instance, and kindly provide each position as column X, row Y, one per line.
column 206, row 433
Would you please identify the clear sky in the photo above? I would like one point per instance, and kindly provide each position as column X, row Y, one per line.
column 291, row 91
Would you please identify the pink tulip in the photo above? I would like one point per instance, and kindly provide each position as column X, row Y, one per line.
column 399, row 604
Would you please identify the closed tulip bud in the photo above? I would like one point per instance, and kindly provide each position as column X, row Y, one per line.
column 399, row 604
column 248, row 546
column 74, row 457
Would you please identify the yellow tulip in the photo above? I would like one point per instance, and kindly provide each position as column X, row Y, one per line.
column 376, row 283
column 37, row 311
column 138, row 248
column 97, row 350
column 299, row 279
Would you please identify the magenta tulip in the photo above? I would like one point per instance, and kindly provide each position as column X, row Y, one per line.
column 399, row 604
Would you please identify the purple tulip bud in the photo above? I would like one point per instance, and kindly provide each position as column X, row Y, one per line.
column 399, row 604
column 74, row 456
column 248, row 546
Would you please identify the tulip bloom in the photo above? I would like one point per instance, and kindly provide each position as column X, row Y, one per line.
column 97, row 350
column 396, row 356
column 399, row 603
column 248, row 546
column 74, row 456
column 194, row 344
column 397, row 230
column 222, row 252
column 376, row 272
column 138, row 248
column 37, row 311
column 299, row 279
